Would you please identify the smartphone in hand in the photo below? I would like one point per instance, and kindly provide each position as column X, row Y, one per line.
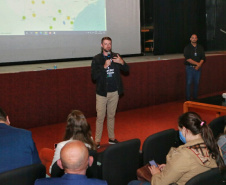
column 152, row 162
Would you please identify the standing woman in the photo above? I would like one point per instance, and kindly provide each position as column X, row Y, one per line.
column 200, row 153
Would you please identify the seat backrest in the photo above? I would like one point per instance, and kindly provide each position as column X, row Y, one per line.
column 24, row 175
column 217, row 126
column 120, row 162
column 91, row 172
column 157, row 146
column 46, row 156
column 210, row 177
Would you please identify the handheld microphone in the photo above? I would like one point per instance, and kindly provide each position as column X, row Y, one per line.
column 109, row 55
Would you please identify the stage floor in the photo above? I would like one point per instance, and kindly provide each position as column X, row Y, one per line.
column 85, row 63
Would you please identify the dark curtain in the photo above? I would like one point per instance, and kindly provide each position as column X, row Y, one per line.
column 175, row 21
column 216, row 24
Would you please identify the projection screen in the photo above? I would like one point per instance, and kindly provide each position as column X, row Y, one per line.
column 43, row 30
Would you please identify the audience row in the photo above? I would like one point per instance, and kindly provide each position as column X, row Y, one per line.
column 73, row 156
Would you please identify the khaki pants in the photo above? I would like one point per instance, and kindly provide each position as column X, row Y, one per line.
column 104, row 104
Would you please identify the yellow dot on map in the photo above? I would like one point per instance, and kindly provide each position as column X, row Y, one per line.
column 43, row 2
column 33, row 2
column 68, row 17
column 33, row 15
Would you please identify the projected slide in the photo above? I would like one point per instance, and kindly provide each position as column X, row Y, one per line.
column 46, row 17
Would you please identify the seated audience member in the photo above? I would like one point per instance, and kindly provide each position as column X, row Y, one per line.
column 222, row 144
column 74, row 159
column 200, row 153
column 77, row 129
column 17, row 147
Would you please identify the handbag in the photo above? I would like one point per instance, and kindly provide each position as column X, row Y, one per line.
column 144, row 174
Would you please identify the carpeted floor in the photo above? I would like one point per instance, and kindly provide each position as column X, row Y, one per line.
column 137, row 123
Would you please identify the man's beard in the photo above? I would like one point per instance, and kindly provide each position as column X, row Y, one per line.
column 106, row 50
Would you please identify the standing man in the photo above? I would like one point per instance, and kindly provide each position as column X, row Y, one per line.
column 194, row 58
column 105, row 72
column 17, row 147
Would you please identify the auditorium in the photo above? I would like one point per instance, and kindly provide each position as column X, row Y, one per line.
column 48, row 55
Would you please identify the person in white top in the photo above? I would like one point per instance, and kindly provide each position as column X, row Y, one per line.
column 77, row 129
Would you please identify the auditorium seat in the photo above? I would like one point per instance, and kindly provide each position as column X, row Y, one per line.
column 46, row 156
column 217, row 126
column 157, row 146
column 211, row 177
column 91, row 172
column 24, row 175
column 120, row 162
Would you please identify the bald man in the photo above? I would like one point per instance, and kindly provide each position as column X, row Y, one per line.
column 74, row 159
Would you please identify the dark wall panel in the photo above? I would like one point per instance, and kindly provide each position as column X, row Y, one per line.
column 39, row 98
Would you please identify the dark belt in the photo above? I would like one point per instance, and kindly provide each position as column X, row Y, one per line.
column 191, row 66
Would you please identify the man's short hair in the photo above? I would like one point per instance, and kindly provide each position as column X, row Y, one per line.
column 3, row 115
column 105, row 38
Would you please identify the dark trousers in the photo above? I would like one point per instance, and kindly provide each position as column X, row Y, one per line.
column 192, row 76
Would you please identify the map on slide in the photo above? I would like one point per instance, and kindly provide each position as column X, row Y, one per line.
column 18, row 17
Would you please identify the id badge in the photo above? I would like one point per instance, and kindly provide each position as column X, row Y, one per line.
column 195, row 54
